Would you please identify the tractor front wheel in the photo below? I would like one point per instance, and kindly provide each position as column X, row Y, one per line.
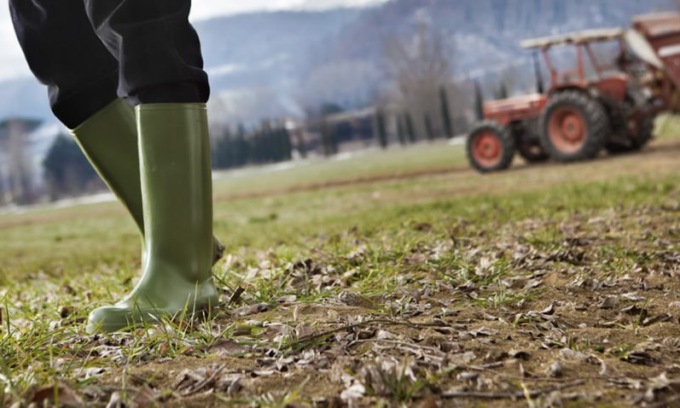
column 574, row 126
column 490, row 147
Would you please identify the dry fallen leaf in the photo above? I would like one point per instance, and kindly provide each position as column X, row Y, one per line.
column 60, row 394
column 251, row 310
column 145, row 397
column 225, row 347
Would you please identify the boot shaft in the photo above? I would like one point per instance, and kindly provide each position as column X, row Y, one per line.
column 176, row 185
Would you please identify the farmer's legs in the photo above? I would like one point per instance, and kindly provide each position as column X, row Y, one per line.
column 158, row 49
column 65, row 54
column 161, row 71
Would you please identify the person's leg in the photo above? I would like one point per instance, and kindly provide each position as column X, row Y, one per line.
column 65, row 54
column 177, row 197
column 158, row 49
column 110, row 141
column 161, row 71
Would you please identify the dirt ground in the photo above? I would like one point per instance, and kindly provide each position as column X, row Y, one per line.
column 570, row 311
column 567, row 324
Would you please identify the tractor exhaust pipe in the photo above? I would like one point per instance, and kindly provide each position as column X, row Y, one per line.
column 539, row 75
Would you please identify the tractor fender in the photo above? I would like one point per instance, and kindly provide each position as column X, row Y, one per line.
column 590, row 92
column 567, row 88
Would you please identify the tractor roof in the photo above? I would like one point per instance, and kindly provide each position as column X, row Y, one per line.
column 579, row 37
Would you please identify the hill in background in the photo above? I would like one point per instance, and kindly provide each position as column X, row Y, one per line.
column 269, row 64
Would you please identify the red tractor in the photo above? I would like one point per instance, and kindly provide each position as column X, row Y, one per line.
column 597, row 105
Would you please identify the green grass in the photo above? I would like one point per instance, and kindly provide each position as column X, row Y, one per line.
column 361, row 165
column 667, row 126
column 425, row 222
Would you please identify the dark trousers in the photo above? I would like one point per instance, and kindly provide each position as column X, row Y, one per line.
column 88, row 52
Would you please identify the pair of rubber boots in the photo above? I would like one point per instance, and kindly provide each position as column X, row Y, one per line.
column 156, row 159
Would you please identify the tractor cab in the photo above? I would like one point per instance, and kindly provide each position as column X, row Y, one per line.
column 591, row 69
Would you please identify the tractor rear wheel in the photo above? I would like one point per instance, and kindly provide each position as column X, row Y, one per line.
column 490, row 147
column 573, row 127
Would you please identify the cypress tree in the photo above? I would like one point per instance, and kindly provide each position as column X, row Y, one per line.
column 267, row 144
column 327, row 138
column 446, row 112
column 222, row 151
column 429, row 129
column 334, row 138
column 381, row 128
column 410, row 129
column 401, row 132
column 287, row 144
column 66, row 168
column 241, row 147
column 479, row 102
column 502, row 92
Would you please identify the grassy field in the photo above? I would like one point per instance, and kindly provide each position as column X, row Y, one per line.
column 393, row 278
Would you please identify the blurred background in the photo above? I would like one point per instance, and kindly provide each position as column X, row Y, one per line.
column 298, row 80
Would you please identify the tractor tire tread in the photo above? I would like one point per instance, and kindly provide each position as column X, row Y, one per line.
column 507, row 141
column 597, row 125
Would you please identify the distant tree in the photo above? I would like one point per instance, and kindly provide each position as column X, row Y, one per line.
column 67, row 171
column 381, row 128
column 410, row 129
column 256, row 146
column 265, row 144
column 242, row 154
column 300, row 143
column 328, row 108
column 401, row 130
column 2, row 187
column 328, row 140
column 418, row 66
column 223, row 150
column 446, row 112
column 328, row 130
column 286, row 144
column 479, row 102
column 269, row 148
column 429, row 129
column 502, row 92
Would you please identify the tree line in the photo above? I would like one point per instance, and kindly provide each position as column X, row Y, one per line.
column 265, row 144
column 68, row 172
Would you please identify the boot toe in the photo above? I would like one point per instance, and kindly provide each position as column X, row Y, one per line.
column 115, row 318
column 131, row 312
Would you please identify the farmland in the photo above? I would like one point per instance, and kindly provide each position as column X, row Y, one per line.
column 386, row 278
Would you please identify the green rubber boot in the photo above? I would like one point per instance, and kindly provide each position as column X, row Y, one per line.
column 176, row 188
column 109, row 141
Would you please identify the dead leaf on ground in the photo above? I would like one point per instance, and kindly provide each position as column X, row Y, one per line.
column 60, row 394
column 251, row 310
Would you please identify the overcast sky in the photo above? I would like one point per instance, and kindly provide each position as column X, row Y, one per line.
column 12, row 63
